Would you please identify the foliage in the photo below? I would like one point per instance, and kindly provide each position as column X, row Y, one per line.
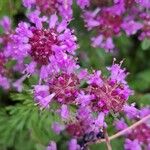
column 24, row 124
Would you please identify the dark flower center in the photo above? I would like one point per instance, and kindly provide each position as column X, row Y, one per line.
column 6, row 39
column 102, row 3
column 110, row 24
column 75, row 129
column 129, row 3
column 146, row 24
column 41, row 45
column 65, row 86
column 107, row 97
column 142, row 133
column 47, row 6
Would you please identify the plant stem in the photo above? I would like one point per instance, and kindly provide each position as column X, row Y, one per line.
column 126, row 130
column 107, row 140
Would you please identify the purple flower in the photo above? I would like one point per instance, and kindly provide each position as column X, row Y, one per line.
column 42, row 96
column 131, row 27
column 84, row 99
column 107, row 23
column 65, row 86
column 108, row 45
column 5, row 22
column 140, row 135
column 4, row 82
column 100, row 119
column 117, row 73
column 84, row 122
column 65, row 9
column 64, row 112
column 35, row 18
column 132, row 145
column 83, row 74
column 49, row 7
column 95, row 79
column 144, row 3
column 145, row 17
column 131, row 111
column 28, row 3
column 73, row 145
column 52, row 146
column 57, row 127
column 120, row 124
column 18, row 85
column 144, row 112
column 106, row 99
column 49, row 49
column 83, row 3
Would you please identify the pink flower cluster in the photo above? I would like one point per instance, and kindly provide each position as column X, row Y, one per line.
column 61, row 7
column 140, row 136
column 46, row 47
column 91, row 95
column 111, row 18
column 5, row 73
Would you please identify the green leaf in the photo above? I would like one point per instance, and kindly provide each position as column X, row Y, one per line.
column 145, row 100
column 10, row 64
column 25, row 121
column 141, row 81
column 33, row 80
column 145, row 44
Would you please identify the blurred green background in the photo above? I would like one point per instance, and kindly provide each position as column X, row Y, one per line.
column 24, row 127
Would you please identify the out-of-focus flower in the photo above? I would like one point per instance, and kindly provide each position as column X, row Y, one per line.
column 131, row 111
column 139, row 136
column 5, row 73
column 83, row 3
column 111, row 18
column 5, row 22
column 57, row 127
column 132, row 145
column 73, row 145
column 49, row 7
column 42, row 96
column 120, row 124
column 52, row 146
column 145, row 31
column 131, row 27
column 107, row 24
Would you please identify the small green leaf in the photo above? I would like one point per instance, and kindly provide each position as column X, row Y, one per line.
column 145, row 44
column 10, row 64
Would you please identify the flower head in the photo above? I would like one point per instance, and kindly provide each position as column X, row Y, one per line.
column 49, row 7
column 65, row 86
column 45, row 48
column 111, row 18
column 138, row 136
column 110, row 93
column 145, row 31
column 107, row 24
